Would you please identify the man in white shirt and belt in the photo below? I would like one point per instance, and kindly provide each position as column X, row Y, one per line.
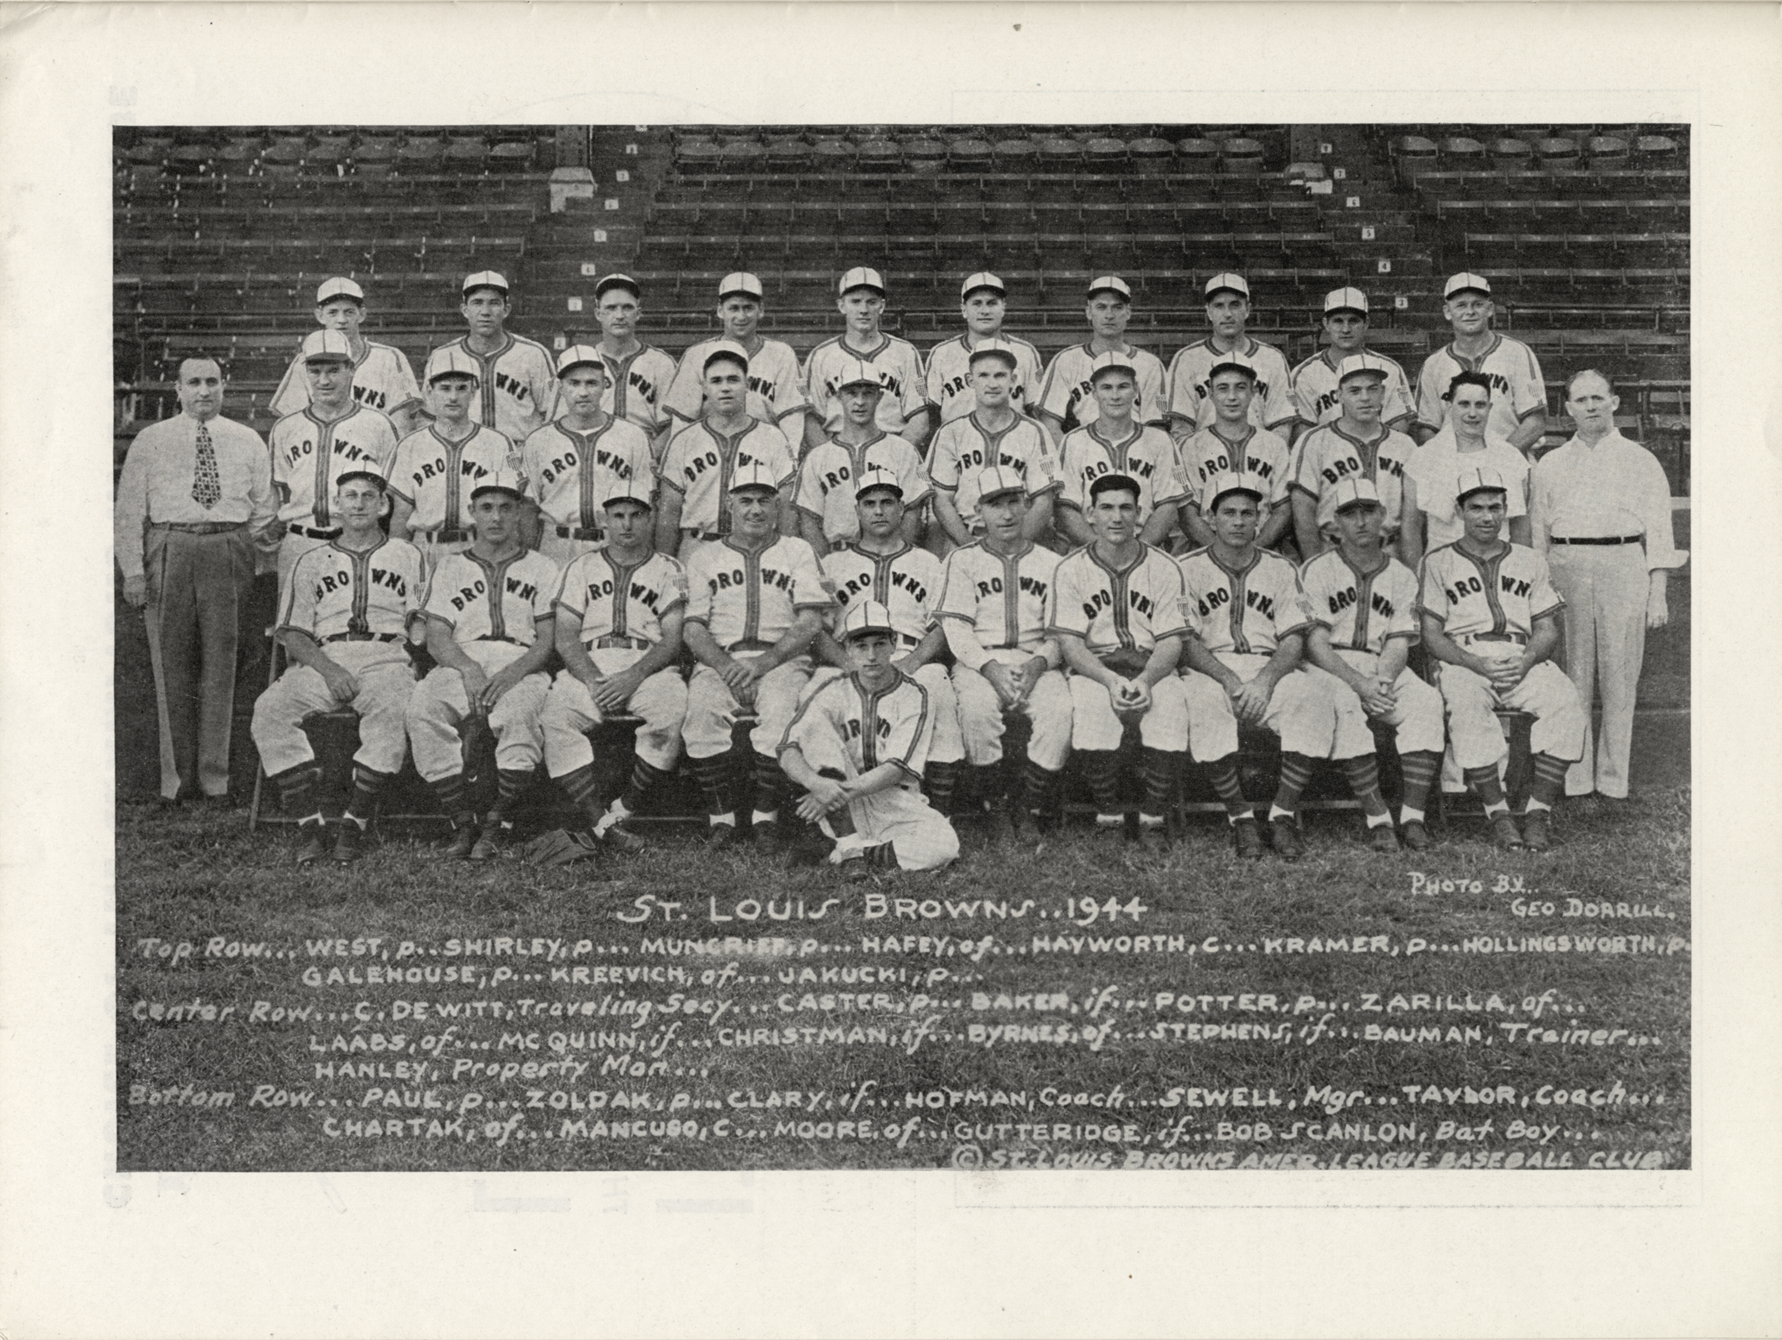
column 1600, row 513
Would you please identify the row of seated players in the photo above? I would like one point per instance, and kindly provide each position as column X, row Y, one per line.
column 1113, row 633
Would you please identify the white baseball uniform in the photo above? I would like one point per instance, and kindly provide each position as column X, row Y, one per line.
column 569, row 474
column 1067, row 393
column 1517, row 391
column 1327, row 455
column 948, row 387
column 308, row 457
column 1435, row 467
column 827, row 475
column 516, row 385
column 701, row 461
column 1145, row 455
column 1313, row 388
column 1190, row 374
column 963, row 449
column 382, row 380
column 774, row 389
column 637, row 388
column 900, row 372
column 435, row 476
column 1207, row 455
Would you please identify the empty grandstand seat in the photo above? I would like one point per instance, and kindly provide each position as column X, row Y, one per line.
column 788, row 153
column 1197, row 154
column 1458, row 152
column 1150, row 155
column 1105, row 154
column 833, row 154
column 1608, row 151
column 970, row 155
column 1241, row 154
column 697, row 155
column 513, row 156
column 190, row 159
column 1653, row 150
column 466, row 152
column 923, row 154
column 283, row 158
column 1414, row 156
column 880, row 155
column 1060, row 153
column 374, row 155
column 1557, row 151
column 1511, row 154
column 742, row 155
column 420, row 153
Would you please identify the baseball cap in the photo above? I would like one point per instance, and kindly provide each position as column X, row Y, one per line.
column 451, row 360
column 742, row 284
column 1232, row 363
column 626, row 490
column 625, row 282
column 1463, row 281
column 982, row 279
column 371, row 477
column 1345, row 300
column 339, row 287
column 1236, row 283
column 996, row 480
column 869, row 616
column 1110, row 284
column 1360, row 365
column 485, row 279
column 327, row 344
column 1111, row 361
column 754, row 475
column 579, row 355
column 1478, row 479
column 499, row 481
column 723, row 351
column 861, row 276
column 1234, row 481
column 1353, row 492
column 876, row 478
column 858, row 372
column 1109, row 482
column 993, row 349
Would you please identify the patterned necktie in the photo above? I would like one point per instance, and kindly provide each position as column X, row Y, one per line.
column 207, row 485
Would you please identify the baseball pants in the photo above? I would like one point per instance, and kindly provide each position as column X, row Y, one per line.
column 1605, row 589
column 920, row 837
column 946, row 745
column 198, row 592
column 569, row 711
column 386, row 680
column 1095, row 725
column 439, row 706
column 1301, row 711
column 712, row 709
column 1473, row 728
column 981, row 723
column 1416, row 714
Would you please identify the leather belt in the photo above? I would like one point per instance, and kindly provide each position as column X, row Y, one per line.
column 1520, row 639
column 511, row 641
column 1597, row 539
column 447, row 535
column 310, row 534
column 701, row 534
column 363, row 637
column 750, row 645
column 578, row 533
column 616, row 640
column 199, row 527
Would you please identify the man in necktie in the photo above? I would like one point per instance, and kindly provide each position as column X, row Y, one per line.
column 195, row 493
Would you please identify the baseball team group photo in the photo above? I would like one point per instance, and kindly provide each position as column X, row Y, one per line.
column 517, row 524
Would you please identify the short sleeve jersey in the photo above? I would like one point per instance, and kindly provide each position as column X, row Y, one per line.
column 382, row 380
column 516, row 385
column 1146, row 455
column 1360, row 609
column 1314, row 391
column 309, row 455
column 906, row 582
column 1190, row 372
column 701, row 461
column 1517, row 391
column 1066, row 394
column 1505, row 593
column 481, row 600
column 637, row 388
column 749, row 598
column 436, row 476
column 900, row 372
column 612, row 599
column 963, row 449
column 1002, row 596
column 774, row 389
column 1328, row 455
column 1127, row 608
column 335, row 590
column 1246, row 610
column 1435, row 469
column 571, row 473
column 826, row 480
column 891, row 725
column 1207, row 455
column 948, row 380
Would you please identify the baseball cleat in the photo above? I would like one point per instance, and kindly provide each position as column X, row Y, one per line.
column 1025, row 823
column 1415, row 836
column 622, row 840
column 854, row 869
column 1248, row 837
column 1383, row 838
column 1283, row 835
column 720, row 836
column 1504, row 835
column 489, row 842
column 1537, row 830
column 315, row 844
column 462, row 840
column 346, row 842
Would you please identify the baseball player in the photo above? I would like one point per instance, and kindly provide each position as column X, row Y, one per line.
column 1312, row 385
column 515, row 380
column 1354, row 445
column 992, row 434
column 857, row 747
column 1519, row 396
column 1247, row 620
column 350, row 607
column 1228, row 309
column 827, row 487
column 992, row 606
column 618, row 630
column 755, row 602
column 775, row 393
column 1491, row 618
column 1430, row 514
column 882, row 565
column 638, row 374
column 489, row 630
column 1066, row 397
column 902, row 411
column 1601, row 515
column 701, row 464
column 436, row 468
column 1363, row 604
column 314, row 446
column 1116, row 443
column 1116, row 611
column 983, row 300
column 382, row 377
column 572, row 464
column 1232, row 444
